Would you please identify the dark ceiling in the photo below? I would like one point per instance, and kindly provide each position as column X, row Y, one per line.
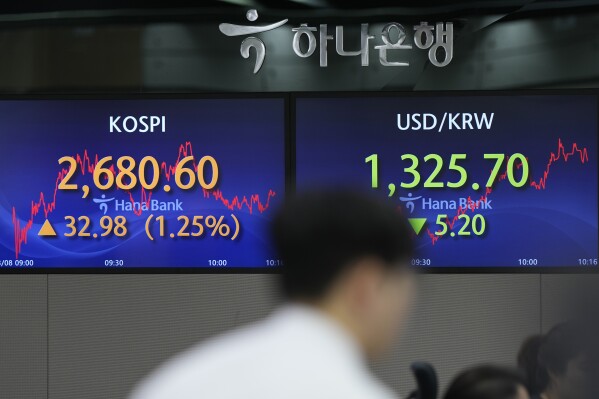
column 70, row 5
column 22, row 11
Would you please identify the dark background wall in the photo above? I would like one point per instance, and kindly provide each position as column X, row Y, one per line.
column 498, row 51
column 95, row 336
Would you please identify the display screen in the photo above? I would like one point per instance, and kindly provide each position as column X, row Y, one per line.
column 486, row 181
column 170, row 183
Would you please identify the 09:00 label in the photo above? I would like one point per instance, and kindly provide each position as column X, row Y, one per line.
column 16, row 262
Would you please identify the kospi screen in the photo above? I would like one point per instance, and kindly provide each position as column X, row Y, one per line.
column 485, row 180
column 126, row 183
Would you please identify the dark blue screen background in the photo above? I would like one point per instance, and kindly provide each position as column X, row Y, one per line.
column 556, row 225
column 245, row 136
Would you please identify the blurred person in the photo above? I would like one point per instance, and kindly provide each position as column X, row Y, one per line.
column 564, row 364
column 528, row 363
column 347, row 288
column 488, row 382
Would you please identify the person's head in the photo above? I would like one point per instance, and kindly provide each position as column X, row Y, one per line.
column 488, row 382
column 563, row 359
column 348, row 254
column 528, row 362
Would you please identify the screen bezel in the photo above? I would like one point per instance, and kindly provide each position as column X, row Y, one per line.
column 459, row 93
column 285, row 97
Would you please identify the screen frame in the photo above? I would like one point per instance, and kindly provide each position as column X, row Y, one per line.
column 285, row 97
column 458, row 93
column 289, row 99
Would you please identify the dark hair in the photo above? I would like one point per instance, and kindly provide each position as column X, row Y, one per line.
column 559, row 346
column 319, row 234
column 528, row 362
column 486, row 382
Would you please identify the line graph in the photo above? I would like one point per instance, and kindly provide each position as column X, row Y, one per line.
column 87, row 164
column 540, row 184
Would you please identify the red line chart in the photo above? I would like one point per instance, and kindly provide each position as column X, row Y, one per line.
column 87, row 165
column 561, row 155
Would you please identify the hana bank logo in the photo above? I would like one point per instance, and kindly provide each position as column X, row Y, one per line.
column 103, row 203
column 436, row 38
column 249, row 42
column 409, row 201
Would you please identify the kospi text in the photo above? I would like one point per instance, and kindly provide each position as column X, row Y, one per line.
column 137, row 124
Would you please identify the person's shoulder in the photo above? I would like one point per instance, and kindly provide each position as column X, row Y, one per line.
column 325, row 387
column 274, row 358
column 354, row 391
column 377, row 389
column 355, row 383
column 200, row 366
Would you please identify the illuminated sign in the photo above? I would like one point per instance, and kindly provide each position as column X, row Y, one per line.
column 437, row 39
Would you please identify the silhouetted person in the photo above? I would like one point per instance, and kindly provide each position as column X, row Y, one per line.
column 564, row 369
column 528, row 362
column 347, row 288
column 488, row 382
